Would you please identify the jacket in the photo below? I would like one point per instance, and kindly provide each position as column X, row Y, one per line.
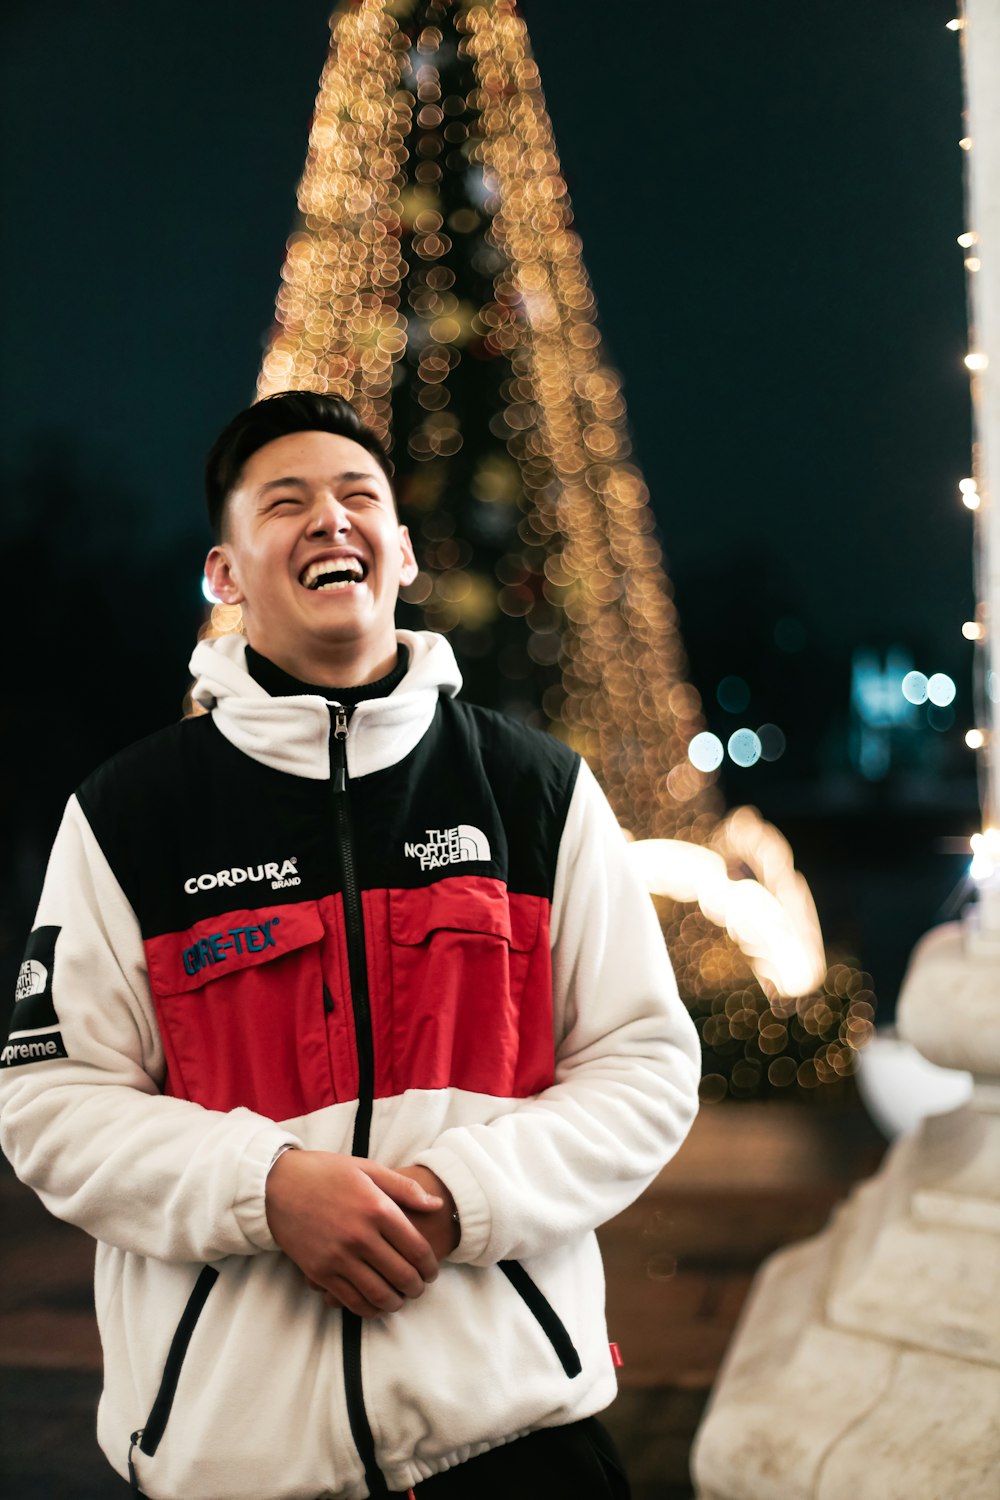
column 417, row 938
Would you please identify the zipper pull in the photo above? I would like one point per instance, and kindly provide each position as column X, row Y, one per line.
column 133, row 1478
column 340, row 739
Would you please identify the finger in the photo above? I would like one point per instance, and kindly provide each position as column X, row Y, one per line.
column 362, row 1308
column 407, row 1241
column 402, row 1190
column 368, row 1294
column 398, row 1270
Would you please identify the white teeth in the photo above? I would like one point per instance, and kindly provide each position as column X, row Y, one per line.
column 325, row 588
column 326, row 565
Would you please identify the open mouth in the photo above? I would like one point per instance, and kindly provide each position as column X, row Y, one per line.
column 333, row 573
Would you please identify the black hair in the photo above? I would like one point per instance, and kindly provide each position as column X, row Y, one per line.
column 274, row 417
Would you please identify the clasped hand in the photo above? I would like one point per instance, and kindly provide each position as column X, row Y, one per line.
column 365, row 1237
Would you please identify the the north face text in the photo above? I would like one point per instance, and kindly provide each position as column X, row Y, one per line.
column 449, row 846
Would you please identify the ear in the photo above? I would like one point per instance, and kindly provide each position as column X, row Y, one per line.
column 409, row 570
column 221, row 578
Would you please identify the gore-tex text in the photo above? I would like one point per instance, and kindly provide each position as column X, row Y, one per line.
column 217, row 946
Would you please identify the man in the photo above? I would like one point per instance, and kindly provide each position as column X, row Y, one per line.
column 343, row 1023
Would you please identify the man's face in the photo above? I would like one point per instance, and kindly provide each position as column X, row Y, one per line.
column 314, row 553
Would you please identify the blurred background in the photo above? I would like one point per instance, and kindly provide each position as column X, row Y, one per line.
column 768, row 202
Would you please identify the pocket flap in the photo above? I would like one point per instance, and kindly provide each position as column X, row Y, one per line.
column 182, row 961
column 463, row 904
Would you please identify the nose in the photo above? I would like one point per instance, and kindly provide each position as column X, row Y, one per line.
column 329, row 517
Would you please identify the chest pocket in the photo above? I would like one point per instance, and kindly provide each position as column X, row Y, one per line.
column 471, row 988
column 240, row 1003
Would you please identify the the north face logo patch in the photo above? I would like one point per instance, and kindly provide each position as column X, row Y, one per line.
column 34, row 1027
column 449, row 846
column 32, row 979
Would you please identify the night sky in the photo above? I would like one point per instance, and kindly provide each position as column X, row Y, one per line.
column 768, row 199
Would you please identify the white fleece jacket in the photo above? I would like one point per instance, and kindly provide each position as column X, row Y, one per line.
column 167, row 1186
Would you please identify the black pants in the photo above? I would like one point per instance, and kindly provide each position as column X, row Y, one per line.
column 578, row 1462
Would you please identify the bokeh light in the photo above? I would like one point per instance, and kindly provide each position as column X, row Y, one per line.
column 437, row 245
column 744, row 747
column 914, row 686
column 733, row 694
column 941, row 690
column 705, row 751
column 772, row 742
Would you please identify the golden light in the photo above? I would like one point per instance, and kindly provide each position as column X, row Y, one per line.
column 968, row 239
column 976, row 361
column 975, row 739
column 985, row 854
column 418, row 139
column 787, row 960
column 973, row 631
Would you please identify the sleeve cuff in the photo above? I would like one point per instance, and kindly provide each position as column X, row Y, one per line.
column 263, row 1150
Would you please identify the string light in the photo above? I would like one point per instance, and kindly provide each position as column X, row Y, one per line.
column 958, row 24
column 975, row 739
column 966, row 143
column 337, row 326
column 970, row 493
column 973, row 631
column 985, row 854
column 976, row 361
column 968, row 239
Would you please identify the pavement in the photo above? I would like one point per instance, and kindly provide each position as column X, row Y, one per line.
column 750, row 1178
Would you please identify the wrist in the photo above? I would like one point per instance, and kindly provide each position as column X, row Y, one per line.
column 449, row 1227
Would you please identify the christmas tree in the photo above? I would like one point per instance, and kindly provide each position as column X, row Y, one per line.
column 435, row 280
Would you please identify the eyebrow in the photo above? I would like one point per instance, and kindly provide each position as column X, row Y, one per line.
column 348, row 474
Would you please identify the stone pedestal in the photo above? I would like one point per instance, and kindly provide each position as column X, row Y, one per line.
column 867, row 1362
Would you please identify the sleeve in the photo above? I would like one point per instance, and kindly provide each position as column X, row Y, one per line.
column 627, row 1065
column 84, row 1121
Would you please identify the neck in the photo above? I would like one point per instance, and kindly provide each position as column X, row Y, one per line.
column 335, row 666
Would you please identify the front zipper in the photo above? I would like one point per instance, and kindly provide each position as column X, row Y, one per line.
column 357, row 968
column 354, row 923
column 148, row 1438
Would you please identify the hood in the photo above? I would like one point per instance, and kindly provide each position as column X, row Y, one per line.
column 293, row 734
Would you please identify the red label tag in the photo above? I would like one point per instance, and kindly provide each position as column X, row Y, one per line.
column 616, row 1356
